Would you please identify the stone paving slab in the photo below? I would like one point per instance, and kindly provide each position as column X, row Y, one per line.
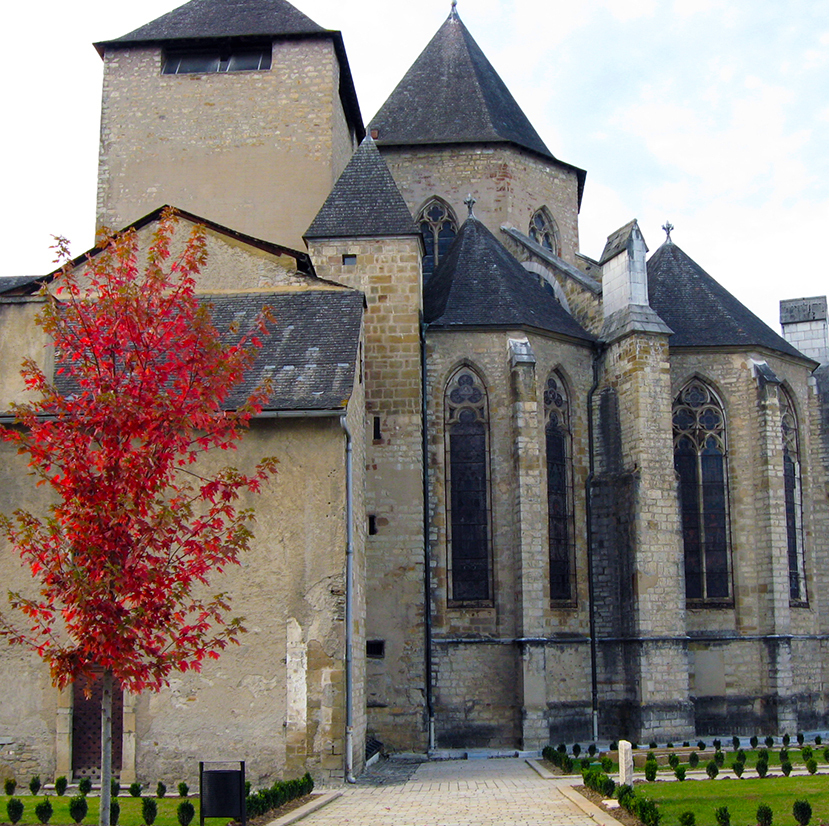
column 496, row 792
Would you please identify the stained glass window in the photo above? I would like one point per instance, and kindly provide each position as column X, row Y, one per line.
column 700, row 459
column 544, row 231
column 561, row 532
column 468, row 506
column 438, row 228
column 793, row 497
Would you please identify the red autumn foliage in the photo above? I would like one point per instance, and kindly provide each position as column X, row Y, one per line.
column 124, row 555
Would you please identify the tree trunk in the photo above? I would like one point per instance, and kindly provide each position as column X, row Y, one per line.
column 106, row 748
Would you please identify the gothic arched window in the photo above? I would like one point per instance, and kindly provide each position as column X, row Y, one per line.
column 438, row 228
column 544, row 231
column 793, row 497
column 561, row 533
column 700, row 461
column 467, row 485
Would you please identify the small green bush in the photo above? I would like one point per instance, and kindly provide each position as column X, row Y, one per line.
column 185, row 812
column 738, row 768
column 787, row 739
column 673, row 760
column 769, row 741
column 78, row 808
column 562, row 748
column 135, row 790
column 723, row 816
column 802, row 811
column 183, row 789
column 712, row 769
column 762, row 768
column 754, row 741
column 60, row 785
column 653, row 744
column 576, row 749
column 786, row 767
column 585, row 762
column 624, row 794
column 85, row 786
column 719, row 758
column 818, row 740
column 735, row 742
column 607, row 764
column 43, row 811
column 614, row 746
column 741, row 756
column 650, row 770
column 764, row 815
column 687, row 819
column 670, row 744
column 701, row 745
column 693, row 759
column 34, row 784
column 806, row 753
column 648, row 812
column 10, row 784
column 114, row 787
column 784, row 755
column 685, row 744
column 763, row 754
column 800, row 738
column 811, row 765
column 679, row 773
column 717, row 745
column 14, row 810
column 149, row 810
column 114, row 812
column 160, row 790
column 826, row 754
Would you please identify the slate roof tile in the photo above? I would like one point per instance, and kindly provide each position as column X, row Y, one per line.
column 700, row 311
column 365, row 201
column 480, row 284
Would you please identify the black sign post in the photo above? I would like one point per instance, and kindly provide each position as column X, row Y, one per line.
column 222, row 793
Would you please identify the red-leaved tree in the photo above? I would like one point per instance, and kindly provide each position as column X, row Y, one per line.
column 138, row 524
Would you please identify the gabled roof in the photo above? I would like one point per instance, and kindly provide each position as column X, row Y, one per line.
column 479, row 284
column 365, row 201
column 20, row 284
column 452, row 94
column 700, row 311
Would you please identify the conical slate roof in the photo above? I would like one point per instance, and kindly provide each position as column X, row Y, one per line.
column 479, row 284
column 207, row 19
column 700, row 311
column 365, row 201
column 452, row 94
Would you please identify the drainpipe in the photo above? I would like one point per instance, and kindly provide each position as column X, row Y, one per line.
column 349, row 605
column 588, row 485
column 427, row 571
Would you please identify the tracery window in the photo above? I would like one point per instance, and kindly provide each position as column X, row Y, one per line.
column 438, row 227
column 467, row 468
column 700, row 459
column 793, row 497
column 561, row 533
column 544, row 231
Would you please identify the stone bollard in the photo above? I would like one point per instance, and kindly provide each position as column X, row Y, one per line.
column 625, row 763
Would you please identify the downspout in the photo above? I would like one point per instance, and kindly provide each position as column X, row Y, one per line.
column 349, row 605
column 427, row 571
column 588, row 486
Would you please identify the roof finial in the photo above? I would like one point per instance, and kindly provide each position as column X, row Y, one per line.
column 470, row 202
column 454, row 12
column 668, row 227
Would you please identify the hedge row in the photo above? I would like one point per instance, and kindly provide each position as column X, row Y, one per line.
column 281, row 792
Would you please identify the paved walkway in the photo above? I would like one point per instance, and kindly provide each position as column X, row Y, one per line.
column 495, row 792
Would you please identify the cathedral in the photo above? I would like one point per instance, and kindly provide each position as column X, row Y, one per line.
column 524, row 496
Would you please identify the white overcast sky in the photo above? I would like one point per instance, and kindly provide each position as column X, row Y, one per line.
column 713, row 114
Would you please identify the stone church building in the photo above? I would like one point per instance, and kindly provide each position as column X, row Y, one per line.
column 525, row 495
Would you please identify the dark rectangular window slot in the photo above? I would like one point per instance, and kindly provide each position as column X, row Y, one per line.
column 375, row 649
column 377, row 434
column 213, row 61
column 349, row 260
column 372, row 524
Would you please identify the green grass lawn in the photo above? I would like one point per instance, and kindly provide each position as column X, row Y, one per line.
column 742, row 797
column 130, row 811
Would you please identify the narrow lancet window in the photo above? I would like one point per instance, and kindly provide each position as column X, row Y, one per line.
column 438, row 227
column 793, row 497
column 561, row 532
column 700, row 459
column 544, row 231
column 468, row 506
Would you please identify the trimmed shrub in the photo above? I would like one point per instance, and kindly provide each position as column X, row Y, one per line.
column 14, row 810
column 701, row 745
column 735, row 742
column 670, row 744
column 786, row 767
column 647, row 812
column 60, row 786
column 784, row 755
column 685, row 744
column 763, row 754
column 818, row 739
column 650, row 756
column 679, row 773
column 653, row 745
column 43, row 811
column 806, row 753
column 762, row 768
column 607, row 764
column 183, row 789
column 741, row 756
column 826, row 755
column 185, row 812
column 800, row 738
column 764, row 815
column 160, row 790
column 10, row 784
column 673, row 760
column 85, row 786
column 802, row 811
column 576, row 749
column 114, row 812
column 723, row 816
column 738, row 768
column 717, row 745
column 114, row 787
column 149, row 810
column 264, row 800
column 687, row 819
column 624, row 794
column 754, row 741
column 135, row 790
column 34, row 785
column 787, row 739
column 811, row 765
column 562, row 748
column 712, row 769
column 78, row 808
column 719, row 758
column 650, row 770
column 614, row 746
column 769, row 741
column 693, row 759
column 585, row 763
